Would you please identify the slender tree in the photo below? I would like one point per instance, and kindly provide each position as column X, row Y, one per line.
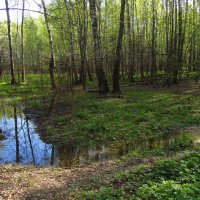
column 52, row 59
column 167, row 67
column 13, row 80
column 130, row 44
column 71, row 40
column 162, row 40
column 116, row 70
column 83, row 42
column 102, row 81
column 22, row 43
column 153, row 45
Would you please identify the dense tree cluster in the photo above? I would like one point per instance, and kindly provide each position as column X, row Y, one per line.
column 80, row 40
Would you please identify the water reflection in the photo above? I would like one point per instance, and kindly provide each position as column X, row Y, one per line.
column 22, row 144
column 16, row 135
column 29, row 139
column 76, row 155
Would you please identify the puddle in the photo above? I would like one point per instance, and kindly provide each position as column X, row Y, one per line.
column 22, row 144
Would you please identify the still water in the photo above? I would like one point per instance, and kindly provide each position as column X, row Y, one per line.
column 22, row 144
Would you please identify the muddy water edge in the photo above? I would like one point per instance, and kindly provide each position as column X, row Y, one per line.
column 21, row 143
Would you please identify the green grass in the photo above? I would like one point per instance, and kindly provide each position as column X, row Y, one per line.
column 174, row 178
column 139, row 114
column 31, row 92
column 86, row 117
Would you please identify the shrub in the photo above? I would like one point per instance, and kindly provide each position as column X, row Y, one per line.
column 168, row 190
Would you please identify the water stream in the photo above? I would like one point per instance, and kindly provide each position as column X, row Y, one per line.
column 22, row 144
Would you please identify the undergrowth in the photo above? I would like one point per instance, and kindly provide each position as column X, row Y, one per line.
column 138, row 115
column 172, row 178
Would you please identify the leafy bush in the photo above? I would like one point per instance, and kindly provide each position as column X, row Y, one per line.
column 166, row 169
column 173, row 179
column 186, row 170
column 168, row 190
column 183, row 142
column 169, row 179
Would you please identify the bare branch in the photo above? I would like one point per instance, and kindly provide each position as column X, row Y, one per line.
column 36, row 11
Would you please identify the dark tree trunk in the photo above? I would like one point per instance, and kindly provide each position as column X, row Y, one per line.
column 1, row 72
column 83, row 44
column 102, row 81
column 167, row 73
column 130, row 44
column 116, row 70
column 73, row 70
column 175, row 51
column 89, row 71
column 52, row 154
column 153, row 47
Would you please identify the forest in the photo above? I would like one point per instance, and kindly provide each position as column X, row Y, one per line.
column 100, row 99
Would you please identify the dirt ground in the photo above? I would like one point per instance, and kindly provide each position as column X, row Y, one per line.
column 29, row 182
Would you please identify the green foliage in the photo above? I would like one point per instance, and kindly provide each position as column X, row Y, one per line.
column 168, row 190
column 183, row 142
column 94, row 127
column 167, row 179
column 140, row 114
column 33, row 88
column 173, row 179
column 185, row 170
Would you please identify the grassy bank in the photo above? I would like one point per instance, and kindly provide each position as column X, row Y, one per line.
column 140, row 113
column 172, row 178
column 86, row 119
column 36, row 87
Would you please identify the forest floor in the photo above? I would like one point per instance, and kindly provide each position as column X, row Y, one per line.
column 142, row 111
column 29, row 182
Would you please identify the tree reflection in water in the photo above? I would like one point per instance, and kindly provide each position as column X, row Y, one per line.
column 22, row 143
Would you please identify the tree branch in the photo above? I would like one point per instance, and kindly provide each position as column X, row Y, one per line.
column 36, row 11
